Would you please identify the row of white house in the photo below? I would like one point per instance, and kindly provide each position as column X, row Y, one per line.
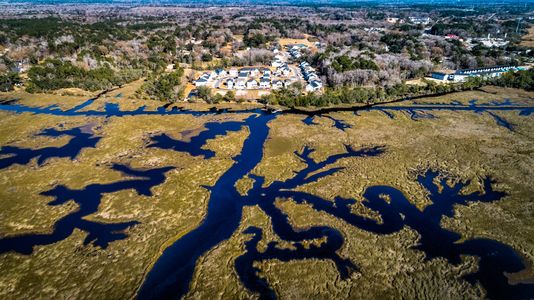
column 314, row 82
column 462, row 75
column 253, row 84
column 420, row 20
column 295, row 49
column 282, row 69
column 278, row 61
column 234, row 72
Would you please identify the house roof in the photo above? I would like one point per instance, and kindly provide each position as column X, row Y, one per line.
column 494, row 69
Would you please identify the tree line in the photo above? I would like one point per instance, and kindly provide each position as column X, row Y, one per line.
column 55, row 74
column 366, row 95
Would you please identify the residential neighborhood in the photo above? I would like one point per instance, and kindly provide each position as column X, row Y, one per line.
column 282, row 72
column 253, row 53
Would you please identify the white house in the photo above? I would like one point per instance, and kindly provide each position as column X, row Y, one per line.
column 285, row 70
column 265, row 83
column 233, row 72
column 278, row 84
column 252, row 84
column 212, row 75
column 309, row 69
column 300, row 46
column 230, row 84
column 249, row 71
column 277, row 63
column 295, row 53
column 202, row 80
column 420, row 20
column 312, row 76
column 314, row 86
column 220, row 72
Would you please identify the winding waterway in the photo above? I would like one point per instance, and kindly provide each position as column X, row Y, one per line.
column 171, row 274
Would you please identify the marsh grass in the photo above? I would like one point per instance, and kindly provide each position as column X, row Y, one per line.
column 463, row 144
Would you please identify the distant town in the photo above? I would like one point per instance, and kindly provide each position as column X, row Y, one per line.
column 299, row 56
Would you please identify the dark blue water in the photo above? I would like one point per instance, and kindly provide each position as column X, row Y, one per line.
column 502, row 121
column 80, row 106
column 435, row 241
column 88, row 200
column 420, row 115
column 309, row 120
column 339, row 124
column 388, row 114
column 194, row 147
column 80, row 139
column 416, row 112
column 113, row 110
column 420, row 111
column 171, row 274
